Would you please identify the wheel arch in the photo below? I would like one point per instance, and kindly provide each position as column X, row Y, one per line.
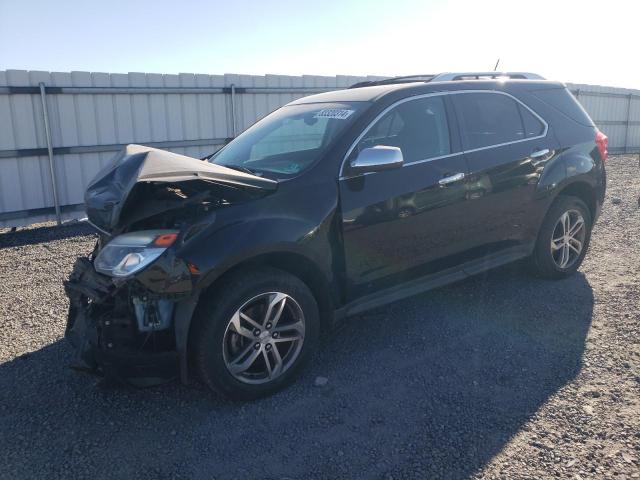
column 296, row 264
column 585, row 192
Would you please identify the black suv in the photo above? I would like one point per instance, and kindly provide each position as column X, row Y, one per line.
column 230, row 267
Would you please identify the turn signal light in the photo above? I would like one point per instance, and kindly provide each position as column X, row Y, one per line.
column 165, row 240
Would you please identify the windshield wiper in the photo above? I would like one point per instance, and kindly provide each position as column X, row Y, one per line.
column 240, row 169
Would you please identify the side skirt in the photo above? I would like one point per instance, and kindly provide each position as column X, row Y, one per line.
column 434, row 280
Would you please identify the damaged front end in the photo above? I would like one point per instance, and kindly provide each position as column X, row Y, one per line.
column 132, row 299
column 122, row 329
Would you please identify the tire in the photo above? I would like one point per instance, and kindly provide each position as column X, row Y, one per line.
column 218, row 347
column 548, row 259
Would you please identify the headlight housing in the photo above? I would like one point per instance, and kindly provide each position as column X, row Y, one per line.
column 131, row 252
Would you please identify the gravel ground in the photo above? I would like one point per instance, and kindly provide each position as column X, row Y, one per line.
column 499, row 376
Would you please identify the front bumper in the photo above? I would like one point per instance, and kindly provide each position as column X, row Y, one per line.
column 103, row 329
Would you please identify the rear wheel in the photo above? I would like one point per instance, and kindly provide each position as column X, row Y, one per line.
column 254, row 335
column 563, row 239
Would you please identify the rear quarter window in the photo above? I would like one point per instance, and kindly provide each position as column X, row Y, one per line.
column 563, row 101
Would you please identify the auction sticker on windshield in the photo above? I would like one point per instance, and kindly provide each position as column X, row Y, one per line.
column 336, row 113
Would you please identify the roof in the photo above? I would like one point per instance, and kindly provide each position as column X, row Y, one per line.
column 362, row 94
column 373, row 93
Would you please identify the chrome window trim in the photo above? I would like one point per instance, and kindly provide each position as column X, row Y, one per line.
column 461, row 152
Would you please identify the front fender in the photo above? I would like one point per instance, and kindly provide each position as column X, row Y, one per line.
column 217, row 251
column 298, row 219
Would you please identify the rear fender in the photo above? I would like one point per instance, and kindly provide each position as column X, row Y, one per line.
column 574, row 164
column 576, row 171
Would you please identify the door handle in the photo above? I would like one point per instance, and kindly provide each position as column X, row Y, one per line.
column 453, row 178
column 539, row 153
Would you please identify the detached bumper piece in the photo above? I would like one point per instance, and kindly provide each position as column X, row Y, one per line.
column 104, row 329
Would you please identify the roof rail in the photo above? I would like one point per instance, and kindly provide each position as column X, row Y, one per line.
column 449, row 76
column 389, row 81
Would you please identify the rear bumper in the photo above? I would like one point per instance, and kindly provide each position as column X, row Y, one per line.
column 602, row 194
column 102, row 328
column 598, row 211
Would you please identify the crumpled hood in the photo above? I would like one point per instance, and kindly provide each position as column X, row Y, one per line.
column 107, row 193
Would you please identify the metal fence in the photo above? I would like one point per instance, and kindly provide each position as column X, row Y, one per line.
column 616, row 111
column 58, row 129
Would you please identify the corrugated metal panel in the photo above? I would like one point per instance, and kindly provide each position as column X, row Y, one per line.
column 616, row 111
column 197, row 121
column 25, row 181
column 88, row 119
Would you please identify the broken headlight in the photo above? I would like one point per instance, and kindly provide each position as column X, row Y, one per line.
column 131, row 252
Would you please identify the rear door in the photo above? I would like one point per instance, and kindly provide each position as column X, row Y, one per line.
column 398, row 223
column 506, row 147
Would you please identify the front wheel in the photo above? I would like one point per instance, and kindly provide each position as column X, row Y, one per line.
column 252, row 337
column 563, row 239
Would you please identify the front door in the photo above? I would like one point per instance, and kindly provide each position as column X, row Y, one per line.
column 404, row 223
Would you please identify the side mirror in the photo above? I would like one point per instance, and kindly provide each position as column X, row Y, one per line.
column 377, row 159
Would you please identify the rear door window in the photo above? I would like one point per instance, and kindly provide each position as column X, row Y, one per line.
column 492, row 119
column 418, row 127
column 533, row 127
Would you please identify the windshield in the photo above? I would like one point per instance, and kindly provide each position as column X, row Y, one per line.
column 289, row 140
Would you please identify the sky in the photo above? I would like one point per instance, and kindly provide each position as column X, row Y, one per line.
column 585, row 41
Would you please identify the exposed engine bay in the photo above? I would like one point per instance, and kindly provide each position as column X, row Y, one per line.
column 148, row 184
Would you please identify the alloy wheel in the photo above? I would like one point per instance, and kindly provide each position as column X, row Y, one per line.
column 263, row 338
column 567, row 240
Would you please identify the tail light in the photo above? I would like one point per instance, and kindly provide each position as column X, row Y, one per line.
column 602, row 141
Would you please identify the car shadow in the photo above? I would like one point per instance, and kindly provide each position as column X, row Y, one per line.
column 44, row 234
column 430, row 387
